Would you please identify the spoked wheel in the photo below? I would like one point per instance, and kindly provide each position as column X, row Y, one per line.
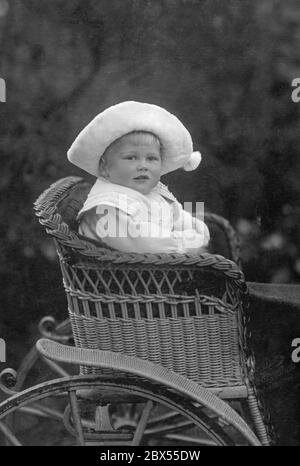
column 34, row 368
column 87, row 410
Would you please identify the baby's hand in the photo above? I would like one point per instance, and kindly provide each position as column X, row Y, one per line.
column 200, row 250
column 203, row 249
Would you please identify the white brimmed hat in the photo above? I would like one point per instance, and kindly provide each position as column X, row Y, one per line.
column 125, row 117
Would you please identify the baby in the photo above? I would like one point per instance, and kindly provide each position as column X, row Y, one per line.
column 128, row 147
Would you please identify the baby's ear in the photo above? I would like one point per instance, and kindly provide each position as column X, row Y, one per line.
column 103, row 167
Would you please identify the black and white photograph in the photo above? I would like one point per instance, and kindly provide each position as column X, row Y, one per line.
column 150, row 225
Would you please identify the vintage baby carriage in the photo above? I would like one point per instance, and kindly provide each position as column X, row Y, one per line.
column 161, row 341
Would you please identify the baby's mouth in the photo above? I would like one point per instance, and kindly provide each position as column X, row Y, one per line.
column 141, row 177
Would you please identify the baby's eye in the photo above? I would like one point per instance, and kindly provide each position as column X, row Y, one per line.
column 153, row 158
column 131, row 157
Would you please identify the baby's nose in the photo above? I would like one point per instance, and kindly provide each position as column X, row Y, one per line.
column 142, row 165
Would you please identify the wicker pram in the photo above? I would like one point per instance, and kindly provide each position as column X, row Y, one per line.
column 183, row 312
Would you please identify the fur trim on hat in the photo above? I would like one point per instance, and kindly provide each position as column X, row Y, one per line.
column 124, row 118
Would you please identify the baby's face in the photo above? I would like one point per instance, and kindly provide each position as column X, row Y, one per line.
column 134, row 163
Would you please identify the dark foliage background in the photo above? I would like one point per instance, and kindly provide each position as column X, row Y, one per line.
column 223, row 67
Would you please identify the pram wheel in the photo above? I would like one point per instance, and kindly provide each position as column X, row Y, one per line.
column 85, row 410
